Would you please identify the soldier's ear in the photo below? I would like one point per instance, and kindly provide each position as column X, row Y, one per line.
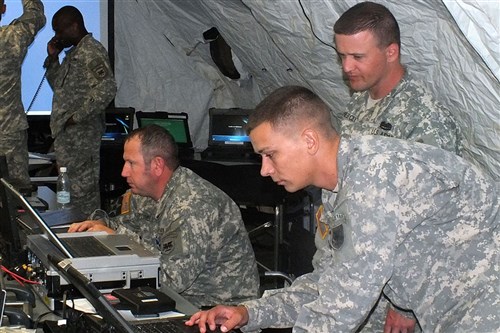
column 311, row 140
column 392, row 52
column 157, row 165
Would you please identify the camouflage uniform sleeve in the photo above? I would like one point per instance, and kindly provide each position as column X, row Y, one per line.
column 102, row 87
column 52, row 69
column 183, row 255
column 280, row 307
column 125, row 222
column 437, row 129
column 32, row 20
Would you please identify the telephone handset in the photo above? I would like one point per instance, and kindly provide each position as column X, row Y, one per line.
column 57, row 44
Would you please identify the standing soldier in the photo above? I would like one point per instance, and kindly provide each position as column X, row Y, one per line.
column 83, row 86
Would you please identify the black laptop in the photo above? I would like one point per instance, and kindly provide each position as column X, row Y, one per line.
column 119, row 123
column 227, row 138
column 109, row 314
column 176, row 123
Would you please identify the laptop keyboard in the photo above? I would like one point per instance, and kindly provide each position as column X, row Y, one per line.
column 87, row 246
column 160, row 327
column 169, row 326
column 163, row 327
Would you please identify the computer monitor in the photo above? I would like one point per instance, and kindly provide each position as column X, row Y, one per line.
column 174, row 126
column 119, row 121
column 175, row 123
column 227, row 127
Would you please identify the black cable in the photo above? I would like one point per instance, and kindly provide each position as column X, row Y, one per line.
column 40, row 317
column 36, row 92
column 312, row 29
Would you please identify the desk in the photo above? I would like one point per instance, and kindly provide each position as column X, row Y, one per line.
column 41, row 165
column 41, row 310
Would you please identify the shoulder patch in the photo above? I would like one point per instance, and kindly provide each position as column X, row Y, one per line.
column 322, row 225
column 125, row 208
column 98, row 68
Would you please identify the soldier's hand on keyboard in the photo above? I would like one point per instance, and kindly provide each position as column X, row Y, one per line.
column 90, row 225
column 228, row 317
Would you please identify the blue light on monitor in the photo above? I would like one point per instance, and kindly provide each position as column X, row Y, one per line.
column 231, row 138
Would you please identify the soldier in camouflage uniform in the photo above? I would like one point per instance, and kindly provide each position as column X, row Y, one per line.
column 409, row 219
column 15, row 39
column 83, row 86
column 387, row 101
column 194, row 227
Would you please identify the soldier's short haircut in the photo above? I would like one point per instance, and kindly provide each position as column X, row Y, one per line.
column 373, row 17
column 157, row 142
column 291, row 105
column 68, row 15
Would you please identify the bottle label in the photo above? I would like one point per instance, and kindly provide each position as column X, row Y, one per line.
column 63, row 197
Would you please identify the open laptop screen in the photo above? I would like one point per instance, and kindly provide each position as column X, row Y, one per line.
column 228, row 127
column 21, row 200
column 119, row 122
column 174, row 126
column 175, row 123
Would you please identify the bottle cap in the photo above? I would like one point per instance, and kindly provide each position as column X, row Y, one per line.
column 62, row 169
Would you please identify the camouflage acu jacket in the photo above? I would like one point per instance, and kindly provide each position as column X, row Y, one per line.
column 83, row 86
column 412, row 220
column 198, row 232
column 408, row 112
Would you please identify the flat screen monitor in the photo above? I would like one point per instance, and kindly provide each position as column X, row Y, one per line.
column 176, row 123
column 227, row 127
column 119, row 120
column 174, row 126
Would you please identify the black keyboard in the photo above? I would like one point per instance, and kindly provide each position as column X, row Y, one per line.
column 230, row 155
column 159, row 327
column 87, row 246
column 168, row 326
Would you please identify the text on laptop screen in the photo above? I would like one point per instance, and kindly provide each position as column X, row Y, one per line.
column 119, row 120
column 229, row 128
column 174, row 126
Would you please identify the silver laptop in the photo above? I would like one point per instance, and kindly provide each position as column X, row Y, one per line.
column 76, row 245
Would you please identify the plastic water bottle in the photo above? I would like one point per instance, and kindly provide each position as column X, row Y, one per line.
column 63, row 186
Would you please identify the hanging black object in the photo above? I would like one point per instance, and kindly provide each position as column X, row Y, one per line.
column 221, row 53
